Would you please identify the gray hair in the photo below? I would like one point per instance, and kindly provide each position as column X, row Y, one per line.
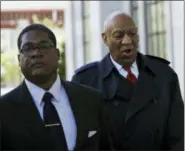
column 110, row 17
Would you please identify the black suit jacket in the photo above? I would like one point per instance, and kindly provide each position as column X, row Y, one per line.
column 155, row 115
column 21, row 127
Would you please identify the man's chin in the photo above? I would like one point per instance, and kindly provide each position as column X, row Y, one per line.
column 40, row 78
column 39, row 73
column 127, row 62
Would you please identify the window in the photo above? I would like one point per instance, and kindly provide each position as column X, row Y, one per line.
column 87, row 30
column 155, row 20
column 134, row 11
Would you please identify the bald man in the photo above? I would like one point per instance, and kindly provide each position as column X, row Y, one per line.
column 143, row 102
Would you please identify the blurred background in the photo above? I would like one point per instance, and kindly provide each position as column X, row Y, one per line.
column 78, row 26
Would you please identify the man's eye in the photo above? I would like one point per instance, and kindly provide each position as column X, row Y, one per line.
column 27, row 48
column 45, row 46
column 118, row 36
column 131, row 33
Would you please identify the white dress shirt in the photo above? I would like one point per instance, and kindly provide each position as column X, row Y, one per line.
column 122, row 71
column 62, row 105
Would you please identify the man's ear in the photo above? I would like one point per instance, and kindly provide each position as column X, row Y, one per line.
column 18, row 57
column 105, row 39
column 58, row 53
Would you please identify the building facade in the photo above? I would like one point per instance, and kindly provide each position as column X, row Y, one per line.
column 13, row 21
column 160, row 27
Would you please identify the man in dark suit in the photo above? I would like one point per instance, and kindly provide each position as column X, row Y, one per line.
column 142, row 94
column 46, row 112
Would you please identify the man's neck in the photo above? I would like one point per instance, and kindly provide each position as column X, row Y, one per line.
column 46, row 83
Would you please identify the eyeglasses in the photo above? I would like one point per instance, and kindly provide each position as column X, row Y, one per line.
column 43, row 48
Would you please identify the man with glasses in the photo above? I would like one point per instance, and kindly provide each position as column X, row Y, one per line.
column 142, row 94
column 46, row 112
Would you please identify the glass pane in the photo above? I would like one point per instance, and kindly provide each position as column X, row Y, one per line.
column 161, row 21
column 86, row 5
column 163, row 45
column 160, row 44
column 135, row 16
column 156, row 29
column 153, row 18
column 87, row 53
column 155, row 45
column 150, row 2
column 87, row 38
column 134, row 4
column 148, row 19
column 150, row 46
column 165, row 52
column 87, row 29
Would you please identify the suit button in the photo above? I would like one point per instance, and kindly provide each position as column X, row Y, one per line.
column 116, row 103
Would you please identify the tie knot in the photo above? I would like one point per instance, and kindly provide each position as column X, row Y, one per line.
column 47, row 97
column 127, row 69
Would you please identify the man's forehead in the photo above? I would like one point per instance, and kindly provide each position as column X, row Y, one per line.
column 134, row 28
column 120, row 21
column 34, row 36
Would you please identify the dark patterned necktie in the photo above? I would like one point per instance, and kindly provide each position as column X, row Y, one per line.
column 131, row 77
column 52, row 123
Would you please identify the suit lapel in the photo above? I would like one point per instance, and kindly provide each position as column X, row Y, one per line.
column 77, row 108
column 29, row 113
column 110, row 81
column 109, row 76
column 144, row 91
column 35, row 123
column 109, row 86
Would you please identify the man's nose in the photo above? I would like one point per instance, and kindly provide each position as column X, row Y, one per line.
column 126, row 40
column 36, row 53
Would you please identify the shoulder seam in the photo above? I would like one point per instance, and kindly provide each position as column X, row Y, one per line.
column 159, row 59
column 86, row 66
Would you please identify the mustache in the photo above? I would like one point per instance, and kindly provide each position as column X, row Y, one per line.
column 33, row 63
column 126, row 49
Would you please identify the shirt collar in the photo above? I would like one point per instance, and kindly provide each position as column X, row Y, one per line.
column 37, row 93
column 56, row 89
column 119, row 67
